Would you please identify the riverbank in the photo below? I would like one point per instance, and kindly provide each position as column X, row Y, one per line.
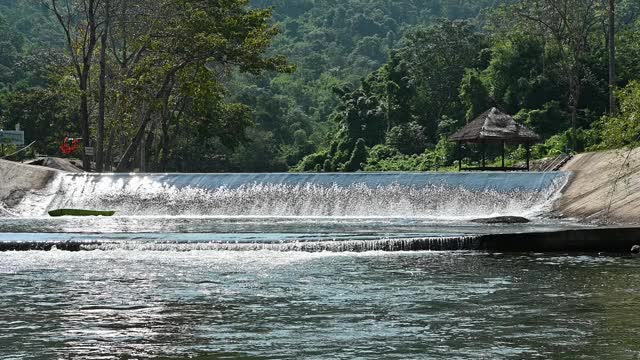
column 604, row 188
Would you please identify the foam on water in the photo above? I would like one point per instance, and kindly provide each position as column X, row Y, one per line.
column 420, row 195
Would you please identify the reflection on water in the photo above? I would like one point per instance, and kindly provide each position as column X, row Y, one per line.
column 262, row 304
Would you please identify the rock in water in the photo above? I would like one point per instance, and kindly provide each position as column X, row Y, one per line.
column 635, row 249
column 502, row 220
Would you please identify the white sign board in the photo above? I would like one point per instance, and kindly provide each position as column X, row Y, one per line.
column 88, row 151
column 12, row 137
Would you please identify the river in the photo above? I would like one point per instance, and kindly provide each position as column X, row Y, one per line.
column 210, row 266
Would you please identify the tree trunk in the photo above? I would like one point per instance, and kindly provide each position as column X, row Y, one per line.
column 125, row 161
column 108, row 156
column 164, row 154
column 84, row 116
column 166, row 118
column 574, row 101
column 612, row 57
column 81, row 50
column 101, row 110
column 148, row 145
column 165, row 90
column 102, row 91
column 574, row 116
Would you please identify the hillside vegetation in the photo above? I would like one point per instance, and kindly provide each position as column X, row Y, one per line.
column 366, row 84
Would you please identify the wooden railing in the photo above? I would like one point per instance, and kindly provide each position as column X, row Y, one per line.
column 557, row 163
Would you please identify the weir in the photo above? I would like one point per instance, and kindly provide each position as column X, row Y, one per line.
column 577, row 240
column 429, row 195
column 341, row 212
column 409, row 244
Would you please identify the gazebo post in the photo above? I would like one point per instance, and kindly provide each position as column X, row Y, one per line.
column 503, row 155
column 484, row 150
column 459, row 156
column 528, row 156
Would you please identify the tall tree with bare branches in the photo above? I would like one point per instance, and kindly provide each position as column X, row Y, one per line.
column 80, row 22
column 612, row 57
column 566, row 25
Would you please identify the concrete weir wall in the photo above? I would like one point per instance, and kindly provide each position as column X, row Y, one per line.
column 605, row 188
column 16, row 180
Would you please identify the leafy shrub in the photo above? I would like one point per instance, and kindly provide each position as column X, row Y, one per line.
column 408, row 138
column 382, row 152
column 358, row 157
column 622, row 130
column 312, row 162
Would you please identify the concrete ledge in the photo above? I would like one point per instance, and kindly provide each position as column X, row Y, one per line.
column 42, row 246
column 591, row 240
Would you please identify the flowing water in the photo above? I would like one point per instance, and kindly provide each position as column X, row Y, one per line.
column 336, row 212
column 290, row 266
column 263, row 304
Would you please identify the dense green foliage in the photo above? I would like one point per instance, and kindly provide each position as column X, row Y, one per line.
column 143, row 82
column 551, row 74
column 335, row 45
column 26, row 31
column 202, row 85
column 624, row 129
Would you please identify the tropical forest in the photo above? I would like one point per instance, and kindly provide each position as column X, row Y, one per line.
column 312, row 85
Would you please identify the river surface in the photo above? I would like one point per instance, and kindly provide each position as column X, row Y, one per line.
column 273, row 305
column 209, row 267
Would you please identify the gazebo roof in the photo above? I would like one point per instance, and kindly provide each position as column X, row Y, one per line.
column 494, row 126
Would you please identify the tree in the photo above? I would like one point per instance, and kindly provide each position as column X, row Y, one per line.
column 612, row 56
column 474, row 94
column 197, row 35
column 358, row 157
column 408, row 138
column 623, row 129
column 80, row 23
column 9, row 53
column 44, row 115
column 438, row 58
column 103, row 85
column 567, row 24
column 360, row 117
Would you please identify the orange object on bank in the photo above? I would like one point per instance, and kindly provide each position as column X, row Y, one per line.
column 70, row 145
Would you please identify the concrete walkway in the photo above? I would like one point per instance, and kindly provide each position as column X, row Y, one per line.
column 605, row 188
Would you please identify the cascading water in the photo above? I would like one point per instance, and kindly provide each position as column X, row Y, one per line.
column 414, row 195
column 285, row 212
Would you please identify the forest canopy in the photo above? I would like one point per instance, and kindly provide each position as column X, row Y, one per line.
column 311, row 85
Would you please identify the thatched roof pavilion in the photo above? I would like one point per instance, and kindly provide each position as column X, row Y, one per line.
column 494, row 127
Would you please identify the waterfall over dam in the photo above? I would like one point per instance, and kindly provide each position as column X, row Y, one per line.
column 420, row 195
